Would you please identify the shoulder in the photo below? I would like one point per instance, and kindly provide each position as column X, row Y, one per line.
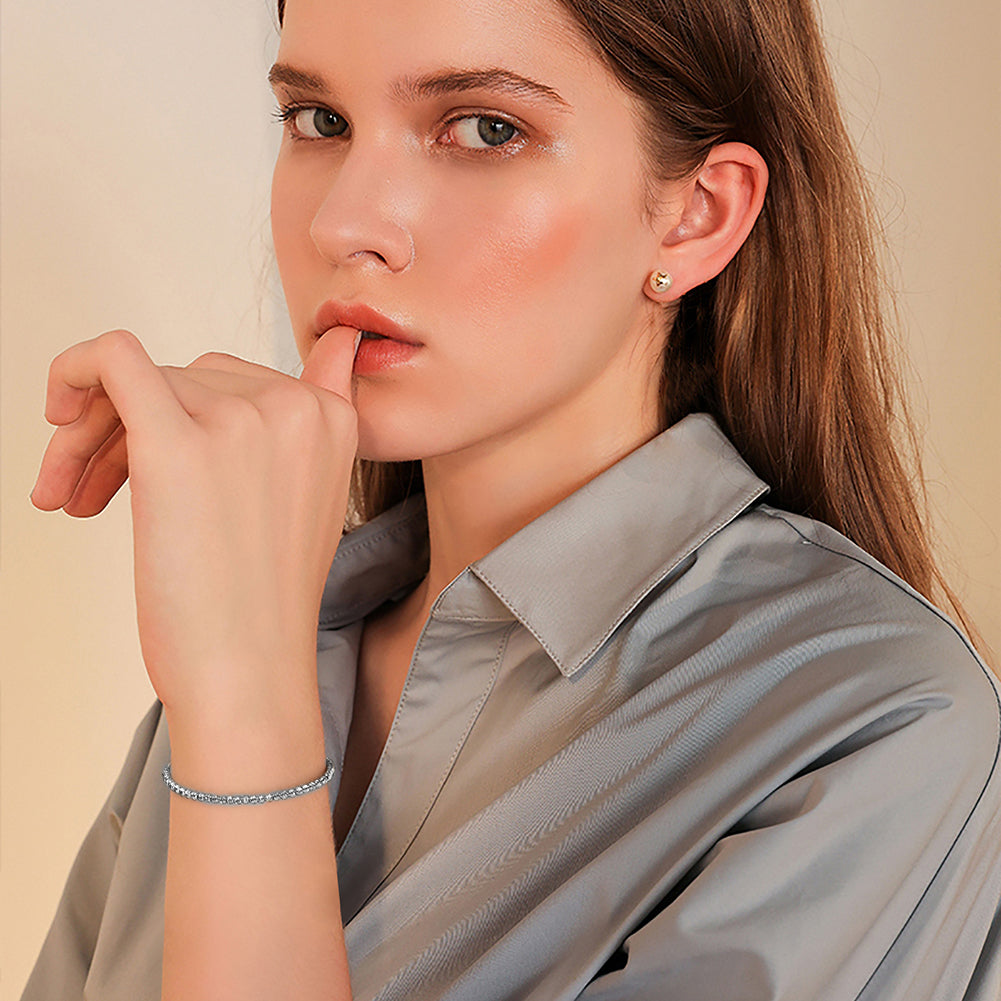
column 795, row 566
column 849, row 589
column 806, row 636
column 835, row 611
column 847, row 734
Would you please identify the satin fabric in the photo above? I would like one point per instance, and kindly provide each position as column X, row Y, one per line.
column 666, row 742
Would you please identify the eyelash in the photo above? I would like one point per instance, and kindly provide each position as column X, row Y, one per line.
column 286, row 113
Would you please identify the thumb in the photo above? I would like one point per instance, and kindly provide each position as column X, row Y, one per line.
column 330, row 361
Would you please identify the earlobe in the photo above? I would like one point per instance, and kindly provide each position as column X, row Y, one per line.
column 720, row 206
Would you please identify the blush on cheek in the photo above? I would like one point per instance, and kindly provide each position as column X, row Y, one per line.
column 537, row 250
column 554, row 237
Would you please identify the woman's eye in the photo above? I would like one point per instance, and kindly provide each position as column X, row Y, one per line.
column 317, row 123
column 482, row 131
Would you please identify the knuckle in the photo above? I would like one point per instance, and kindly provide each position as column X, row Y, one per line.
column 115, row 346
column 55, row 370
column 120, row 340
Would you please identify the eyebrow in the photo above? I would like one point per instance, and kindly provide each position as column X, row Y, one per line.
column 437, row 84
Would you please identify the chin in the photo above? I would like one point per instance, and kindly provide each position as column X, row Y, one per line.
column 388, row 444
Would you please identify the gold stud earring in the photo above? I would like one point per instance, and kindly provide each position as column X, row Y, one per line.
column 660, row 281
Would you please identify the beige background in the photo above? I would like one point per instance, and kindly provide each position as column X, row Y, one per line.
column 136, row 148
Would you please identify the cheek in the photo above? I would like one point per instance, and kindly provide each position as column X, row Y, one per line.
column 546, row 273
column 540, row 245
column 520, row 261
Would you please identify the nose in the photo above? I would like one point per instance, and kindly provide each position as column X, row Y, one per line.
column 358, row 221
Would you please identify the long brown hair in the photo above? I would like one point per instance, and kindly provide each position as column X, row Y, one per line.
column 789, row 347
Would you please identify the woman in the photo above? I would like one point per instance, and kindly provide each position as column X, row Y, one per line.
column 604, row 723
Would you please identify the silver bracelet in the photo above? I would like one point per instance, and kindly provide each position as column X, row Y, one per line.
column 243, row 800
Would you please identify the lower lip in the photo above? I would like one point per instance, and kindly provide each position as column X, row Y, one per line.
column 376, row 355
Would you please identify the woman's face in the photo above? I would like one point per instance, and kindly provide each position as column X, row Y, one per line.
column 472, row 172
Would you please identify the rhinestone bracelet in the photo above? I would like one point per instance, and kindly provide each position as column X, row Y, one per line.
column 243, row 800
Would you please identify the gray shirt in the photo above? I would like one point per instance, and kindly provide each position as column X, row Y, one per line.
column 665, row 742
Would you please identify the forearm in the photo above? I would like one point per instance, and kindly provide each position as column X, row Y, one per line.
column 252, row 908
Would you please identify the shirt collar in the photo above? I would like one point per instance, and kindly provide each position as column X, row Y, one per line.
column 574, row 573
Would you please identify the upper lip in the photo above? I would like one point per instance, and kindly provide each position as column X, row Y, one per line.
column 334, row 313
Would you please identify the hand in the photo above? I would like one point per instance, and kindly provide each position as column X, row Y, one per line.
column 239, row 480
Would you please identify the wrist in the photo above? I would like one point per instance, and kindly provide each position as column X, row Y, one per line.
column 245, row 750
column 248, row 799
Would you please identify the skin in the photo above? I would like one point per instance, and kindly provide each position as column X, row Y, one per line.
column 522, row 268
column 523, row 271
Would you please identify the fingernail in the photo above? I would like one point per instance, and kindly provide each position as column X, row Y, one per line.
column 357, row 342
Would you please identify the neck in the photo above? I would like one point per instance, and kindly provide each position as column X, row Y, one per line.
column 482, row 495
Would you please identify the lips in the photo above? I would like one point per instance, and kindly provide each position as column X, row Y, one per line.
column 334, row 313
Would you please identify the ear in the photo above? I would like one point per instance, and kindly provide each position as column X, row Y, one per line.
column 708, row 219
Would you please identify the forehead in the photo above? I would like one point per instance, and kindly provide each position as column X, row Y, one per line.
column 384, row 40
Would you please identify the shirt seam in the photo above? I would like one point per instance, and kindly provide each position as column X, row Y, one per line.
column 361, row 540
column 446, row 617
column 359, row 545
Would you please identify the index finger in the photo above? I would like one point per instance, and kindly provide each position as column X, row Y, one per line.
column 330, row 362
column 117, row 362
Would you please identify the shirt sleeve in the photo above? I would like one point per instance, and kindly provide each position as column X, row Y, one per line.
column 873, row 874
column 87, row 913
